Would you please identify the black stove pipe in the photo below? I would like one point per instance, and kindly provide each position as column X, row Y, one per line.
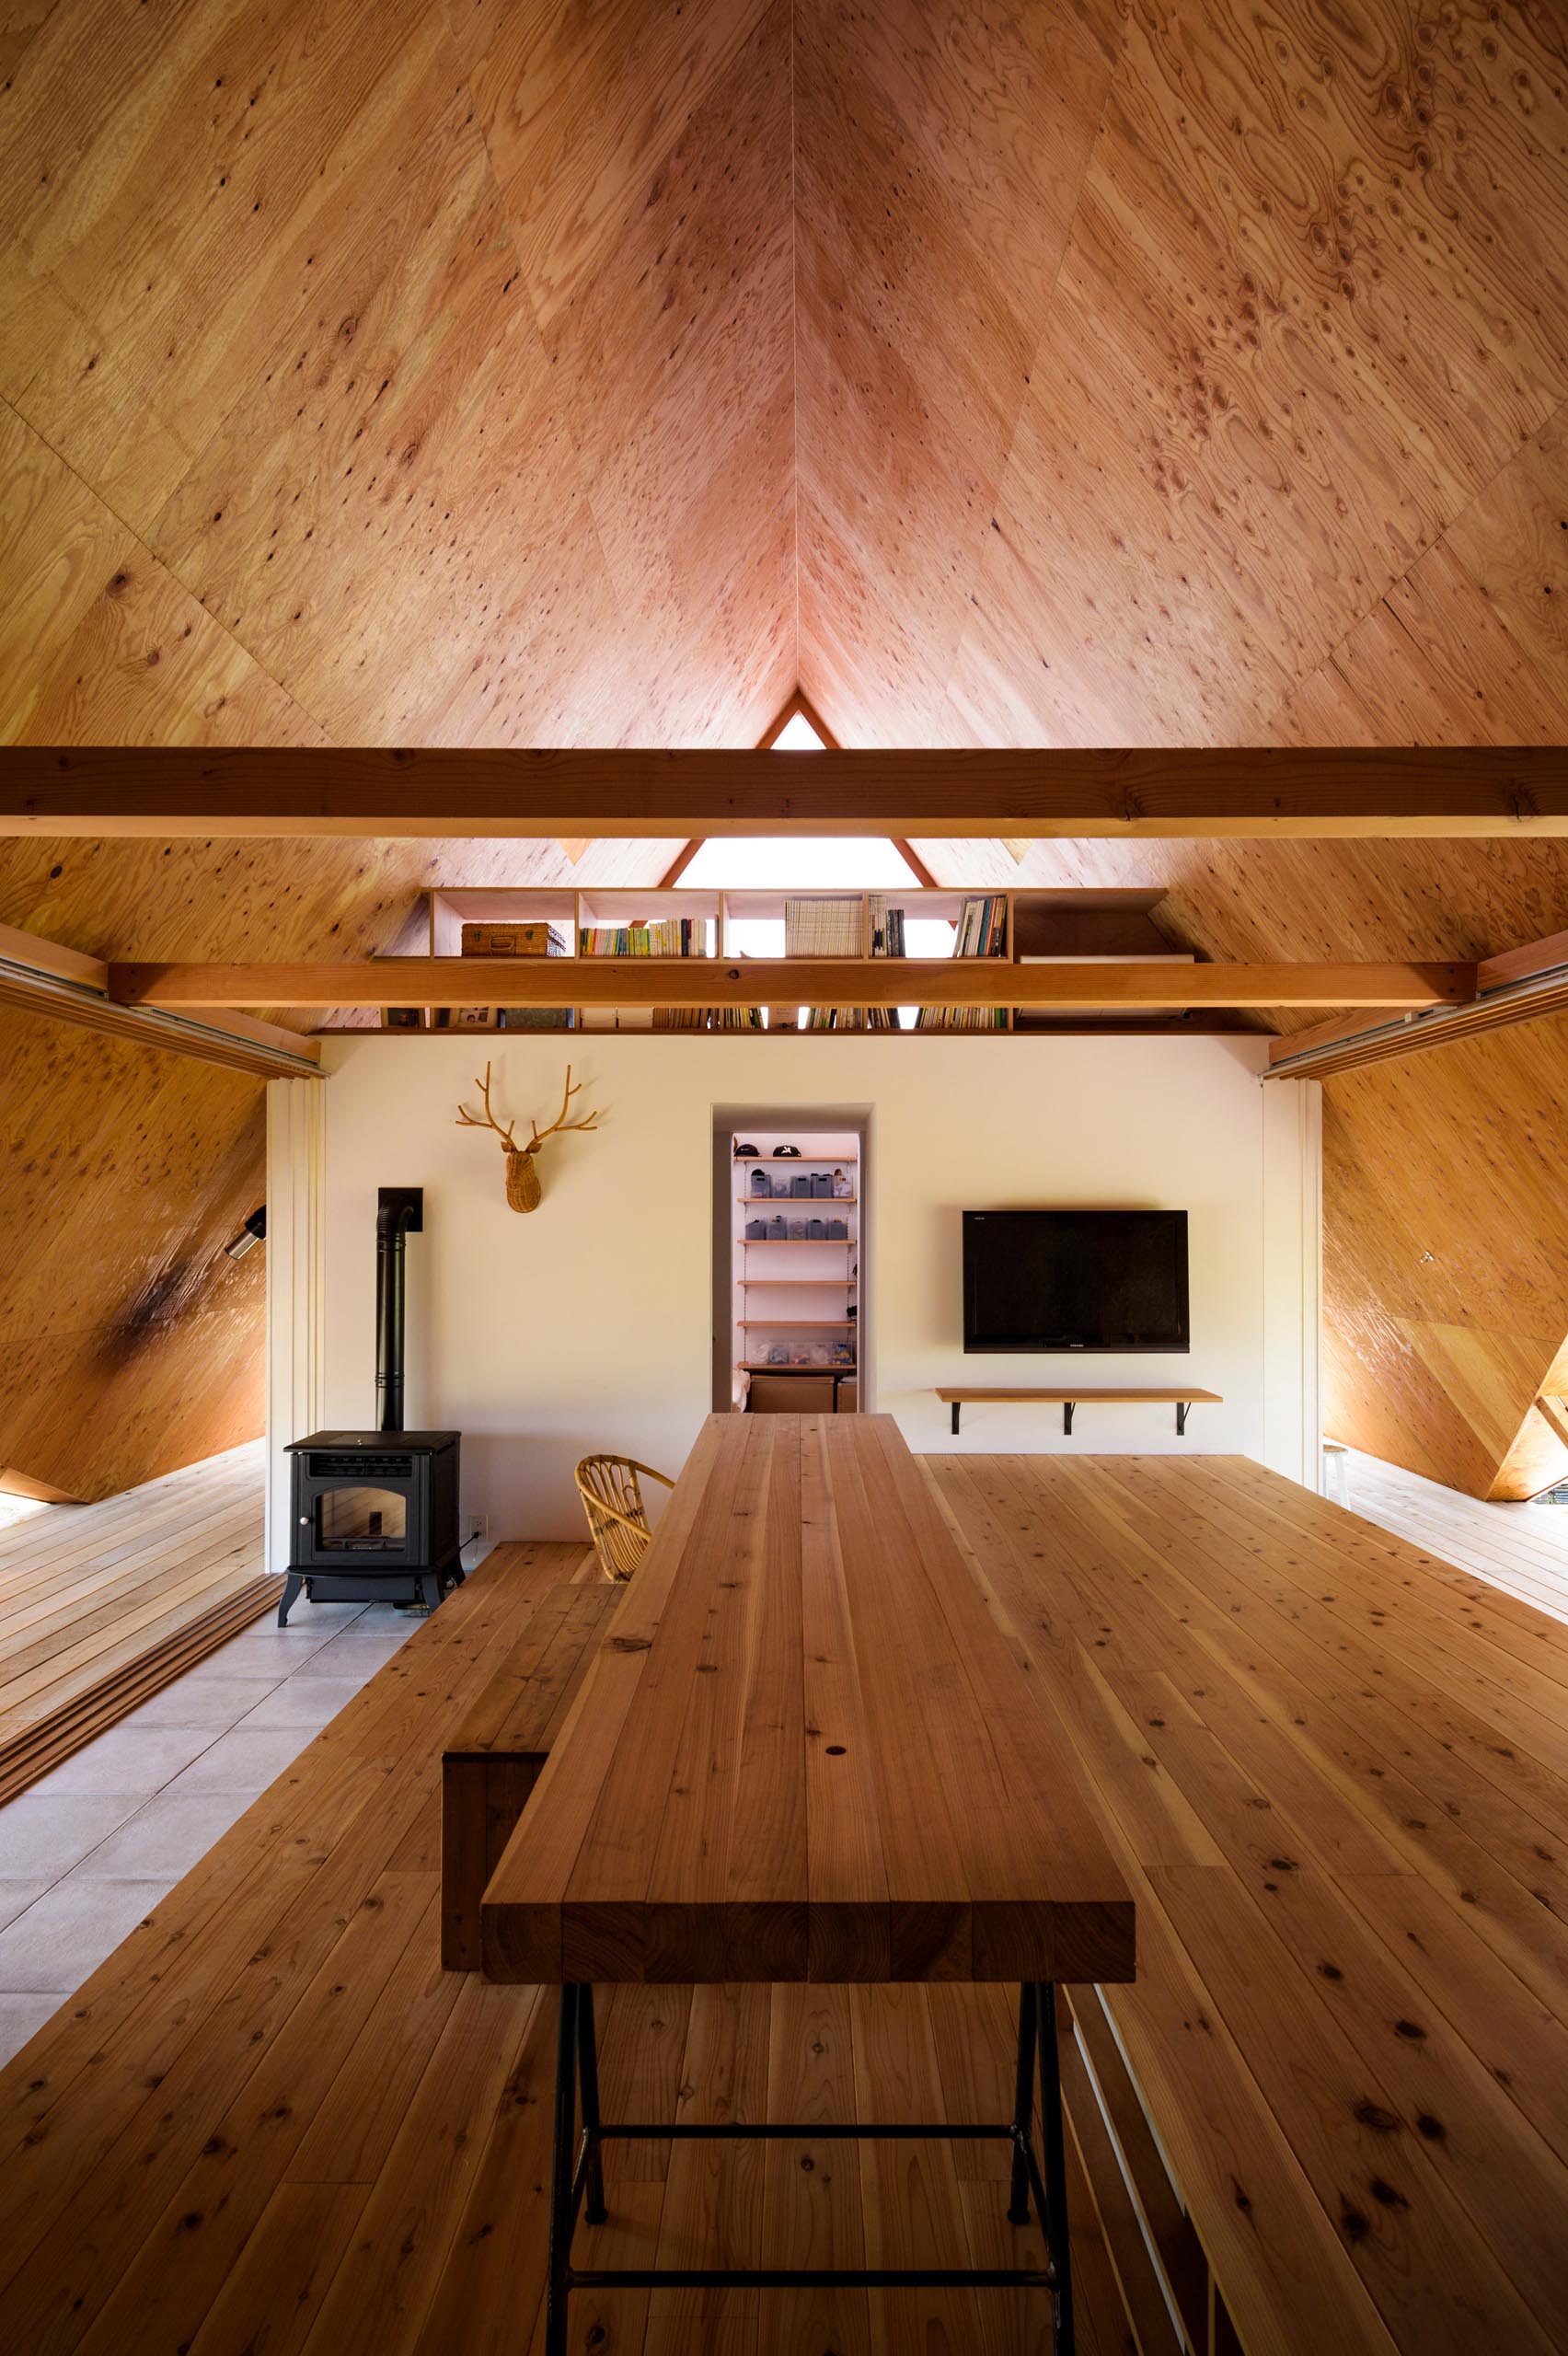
column 399, row 1213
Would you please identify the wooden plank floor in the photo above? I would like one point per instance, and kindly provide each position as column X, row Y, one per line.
column 1336, row 1770
column 1338, row 1785
column 1521, row 1547
column 92, row 1597
column 271, row 2120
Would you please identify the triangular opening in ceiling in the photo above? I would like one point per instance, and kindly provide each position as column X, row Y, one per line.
column 807, row 862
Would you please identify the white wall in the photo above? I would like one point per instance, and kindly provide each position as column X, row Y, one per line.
column 587, row 1323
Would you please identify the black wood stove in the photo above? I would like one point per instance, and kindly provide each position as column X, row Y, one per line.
column 375, row 1513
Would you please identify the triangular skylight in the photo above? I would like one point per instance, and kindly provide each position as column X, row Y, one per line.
column 796, row 735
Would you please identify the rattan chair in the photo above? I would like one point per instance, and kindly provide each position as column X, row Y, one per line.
column 612, row 1499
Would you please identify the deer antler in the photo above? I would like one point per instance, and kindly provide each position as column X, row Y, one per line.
column 472, row 1120
column 589, row 1120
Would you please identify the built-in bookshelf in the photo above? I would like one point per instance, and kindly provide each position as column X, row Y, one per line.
column 796, row 1290
column 1005, row 929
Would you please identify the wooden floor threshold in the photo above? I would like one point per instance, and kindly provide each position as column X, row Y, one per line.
column 33, row 1750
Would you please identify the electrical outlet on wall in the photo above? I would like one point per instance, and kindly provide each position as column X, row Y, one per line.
column 472, row 1526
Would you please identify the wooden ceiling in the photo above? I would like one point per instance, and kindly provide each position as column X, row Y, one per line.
column 1100, row 371
column 1097, row 373
column 382, row 373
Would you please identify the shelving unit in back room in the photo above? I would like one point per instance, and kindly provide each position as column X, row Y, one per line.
column 776, row 1277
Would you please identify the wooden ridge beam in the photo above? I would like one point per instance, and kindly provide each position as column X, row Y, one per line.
column 43, row 978
column 717, row 981
column 1013, row 795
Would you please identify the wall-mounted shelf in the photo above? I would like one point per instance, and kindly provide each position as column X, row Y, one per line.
column 777, row 1201
column 808, row 1324
column 794, row 1242
column 1081, row 1394
column 799, row 1283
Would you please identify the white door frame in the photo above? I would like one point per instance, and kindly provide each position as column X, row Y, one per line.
column 297, row 1190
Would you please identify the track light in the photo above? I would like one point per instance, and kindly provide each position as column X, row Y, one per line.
column 254, row 1231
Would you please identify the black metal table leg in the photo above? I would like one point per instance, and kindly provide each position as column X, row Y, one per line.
column 1055, row 2220
column 588, row 2066
column 563, row 2204
column 1023, row 2107
column 577, row 2179
column 957, row 1411
column 1067, row 1406
column 1181, row 1408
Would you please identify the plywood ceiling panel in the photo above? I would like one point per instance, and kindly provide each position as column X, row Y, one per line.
column 511, row 371
column 439, row 363
column 1306, row 324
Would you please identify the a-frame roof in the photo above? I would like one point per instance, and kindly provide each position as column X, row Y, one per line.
column 1074, row 373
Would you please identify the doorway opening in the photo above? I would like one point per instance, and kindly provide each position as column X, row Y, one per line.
column 789, row 1203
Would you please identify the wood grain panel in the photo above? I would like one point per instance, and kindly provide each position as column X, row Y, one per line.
column 442, row 357
column 97, row 638
column 132, row 1343
column 1275, row 353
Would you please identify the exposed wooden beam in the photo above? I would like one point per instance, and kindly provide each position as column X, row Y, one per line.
column 1526, row 964
column 44, row 978
column 696, row 981
column 183, row 790
column 1519, row 985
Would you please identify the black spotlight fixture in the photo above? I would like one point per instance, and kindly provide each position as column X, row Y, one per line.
column 253, row 1232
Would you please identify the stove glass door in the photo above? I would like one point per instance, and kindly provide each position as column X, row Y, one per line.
column 361, row 1522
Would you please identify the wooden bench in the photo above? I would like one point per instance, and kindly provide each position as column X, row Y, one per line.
column 1078, row 1394
column 493, row 1760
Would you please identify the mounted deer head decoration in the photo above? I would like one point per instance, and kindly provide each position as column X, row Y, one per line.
column 522, row 1171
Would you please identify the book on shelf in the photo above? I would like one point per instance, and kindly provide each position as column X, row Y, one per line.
column 981, row 931
column 885, row 923
column 816, row 926
column 670, row 937
column 884, row 926
column 666, row 937
column 819, row 926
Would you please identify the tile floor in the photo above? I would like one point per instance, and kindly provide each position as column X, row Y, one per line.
column 86, row 1852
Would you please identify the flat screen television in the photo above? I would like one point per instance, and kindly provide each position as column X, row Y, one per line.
column 1075, row 1280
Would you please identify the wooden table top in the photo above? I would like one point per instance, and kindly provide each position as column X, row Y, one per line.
column 807, row 1751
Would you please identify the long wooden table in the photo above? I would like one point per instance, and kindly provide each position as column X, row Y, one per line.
column 807, row 1752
